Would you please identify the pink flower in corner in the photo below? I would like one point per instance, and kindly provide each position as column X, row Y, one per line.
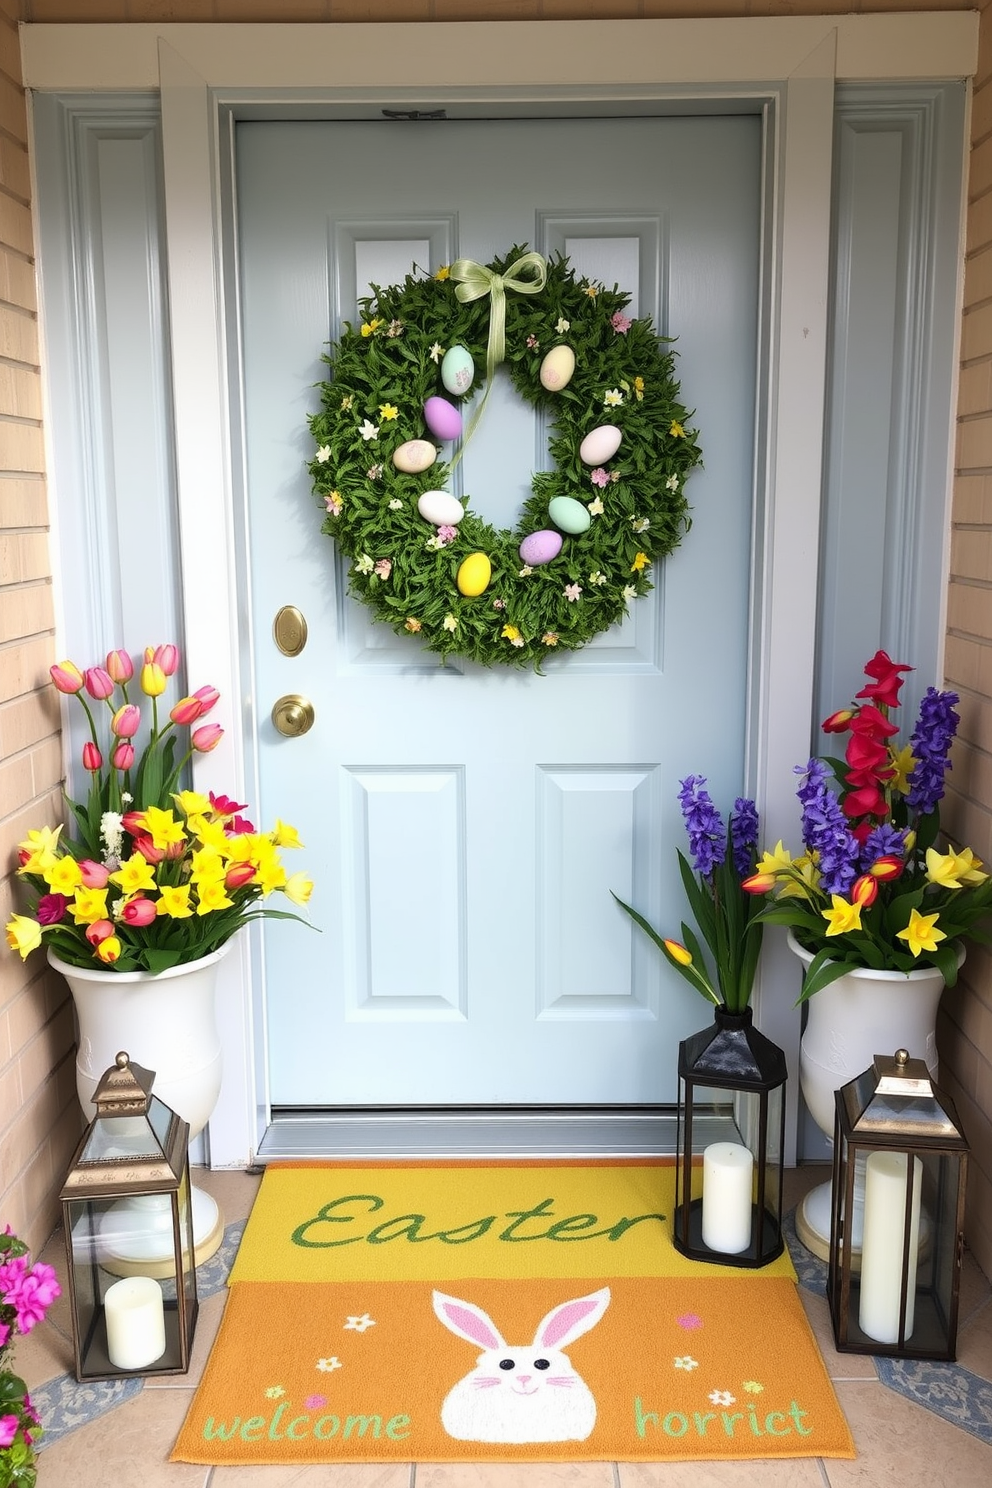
column 572, row 592
column 8, row 1429
column 384, row 568
column 620, row 323
column 446, row 534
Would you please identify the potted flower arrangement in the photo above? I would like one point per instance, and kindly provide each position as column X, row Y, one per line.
column 137, row 899
column 149, row 875
column 26, row 1293
column 873, row 889
column 877, row 905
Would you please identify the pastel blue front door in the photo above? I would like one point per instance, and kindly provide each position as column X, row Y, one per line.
column 465, row 826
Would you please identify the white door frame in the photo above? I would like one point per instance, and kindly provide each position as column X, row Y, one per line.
column 786, row 68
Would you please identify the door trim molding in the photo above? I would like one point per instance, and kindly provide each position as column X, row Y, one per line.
column 208, row 75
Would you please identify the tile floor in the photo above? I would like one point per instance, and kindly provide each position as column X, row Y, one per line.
column 899, row 1442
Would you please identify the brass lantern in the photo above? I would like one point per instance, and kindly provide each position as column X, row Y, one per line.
column 128, row 1181
column 730, row 1144
column 900, row 1169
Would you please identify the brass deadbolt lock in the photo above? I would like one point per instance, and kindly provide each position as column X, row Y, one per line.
column 293, row 715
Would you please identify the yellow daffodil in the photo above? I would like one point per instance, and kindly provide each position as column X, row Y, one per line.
column 902, row 762
column 779, row 860
column 212, row 896
column 39, row 847
column 133, row 875
column 952, row 870
column 208, row 865
column 192, row 803
column 841, row 916
column 163, row 828
column 174, row 902
column 271, row 875
column 64, row 876
column 89, row 905
column 298, row 888
column 921, row 934
column 283, row 835
column 23, row 934
column 369, row 327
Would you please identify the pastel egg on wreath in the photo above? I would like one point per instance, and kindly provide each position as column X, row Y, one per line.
column 600, row 445
column 414, row 456
column 568, row 514
column 442, row 418
column 474, row 573
column 557, row 368
column 441, row 508
column 457, row 370
column 540, row 547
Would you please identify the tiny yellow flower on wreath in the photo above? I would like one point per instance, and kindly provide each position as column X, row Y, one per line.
column 639, row 389
column 921, row 934
column 676, row 430
column 592, row 290
column 613, row 398
column 388, row 411
column 369, row 327
column 595, row 507
column 444, row 272
column 641, row 560
column 510, row 633
column 347, row 401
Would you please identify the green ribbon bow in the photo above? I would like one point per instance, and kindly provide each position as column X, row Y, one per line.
column 476, row 280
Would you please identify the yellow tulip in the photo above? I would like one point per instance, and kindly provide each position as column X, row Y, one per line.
column 23, row 935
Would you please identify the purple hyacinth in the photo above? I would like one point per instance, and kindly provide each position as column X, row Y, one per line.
column 885, row 841
column 744, row 835
column 931, row 744
column 704, row 825
column 825, row 830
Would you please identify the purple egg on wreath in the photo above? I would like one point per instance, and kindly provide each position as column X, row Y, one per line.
column 442, row 418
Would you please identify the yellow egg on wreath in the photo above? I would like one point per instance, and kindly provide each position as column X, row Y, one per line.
column 473, row 576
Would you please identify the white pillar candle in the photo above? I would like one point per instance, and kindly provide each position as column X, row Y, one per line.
column 135, row 1313
column 883, row 1258
column 727, row 1174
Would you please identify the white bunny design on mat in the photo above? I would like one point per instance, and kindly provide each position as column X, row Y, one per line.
column 521, row 1393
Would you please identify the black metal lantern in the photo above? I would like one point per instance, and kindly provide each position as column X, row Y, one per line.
column 128, row 1182
column 730, row 1144
column 900, row 1173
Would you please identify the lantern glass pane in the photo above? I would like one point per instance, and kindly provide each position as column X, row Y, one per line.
column 185, row 1209
column 113, row 1137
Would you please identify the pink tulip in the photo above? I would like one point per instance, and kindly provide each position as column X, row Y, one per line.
column 139, row 912
column 126, row 721
column 144, row 845
column 208, row 696
column 120, row 666
column 186, row 711
column 167, row 657
column 98, row 931
column 238, row 875
column 206, row 738
column 66, row 676
column 153, row 679
column 123, row 756
column 92, row 758
column 133, row 822
column 95, row 875
column 99, row 683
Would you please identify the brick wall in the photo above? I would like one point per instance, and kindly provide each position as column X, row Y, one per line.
column 39, row 1117
column 36, row 1109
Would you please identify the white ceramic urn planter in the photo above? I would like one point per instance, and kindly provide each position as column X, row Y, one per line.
column 861, row 1014
column 166, row 1022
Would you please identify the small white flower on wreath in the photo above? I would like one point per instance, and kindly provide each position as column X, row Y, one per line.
column 450, row 623
column 434, row 544
column 563, row 325
column 686, row 1362
column 396, row 504
column 572, row 592
column 522, row 573
column 369, row 430
column 613, row 398
column 629, row 592
column 436, row 352
column 596, row 577
column 384, row 568
column 641, row 524
column 395, row 328
column 333, row 503
column 323, row 454
column 347, row 401
column 672, row 483
column 364, row 564
column 596, row 507
column 374, row 472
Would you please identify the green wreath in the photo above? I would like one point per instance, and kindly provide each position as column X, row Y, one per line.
column 460, row 585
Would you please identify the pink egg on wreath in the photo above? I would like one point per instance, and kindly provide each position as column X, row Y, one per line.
column 442, row 418
column 540, row 547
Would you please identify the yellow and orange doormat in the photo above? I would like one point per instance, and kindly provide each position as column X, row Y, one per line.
column 499, row 1312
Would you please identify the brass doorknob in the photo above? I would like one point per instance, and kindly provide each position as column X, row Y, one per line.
column 293, row 715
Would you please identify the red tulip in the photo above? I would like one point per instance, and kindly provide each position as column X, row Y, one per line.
column 92, row 758
column 887, row 868
column 839, row 722
column 144, row 845
column 238, row 875
column 133, row 822
column 864, row 890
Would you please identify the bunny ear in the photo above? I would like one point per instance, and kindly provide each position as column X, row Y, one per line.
column 468, row 1321
column 570, row 1320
